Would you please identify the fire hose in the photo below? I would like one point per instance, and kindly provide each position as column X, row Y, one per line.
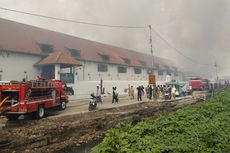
column 3, row 101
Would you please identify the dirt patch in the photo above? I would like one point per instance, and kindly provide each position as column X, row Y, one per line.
column 62, row 133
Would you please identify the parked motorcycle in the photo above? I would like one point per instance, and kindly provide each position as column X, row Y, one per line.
column 93, row 102
column 167, row 94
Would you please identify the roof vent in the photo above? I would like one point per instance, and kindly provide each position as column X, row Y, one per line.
column 143, row 64
column 104, row 57
column 75, row 53
column 127, row 61
column 46, row 48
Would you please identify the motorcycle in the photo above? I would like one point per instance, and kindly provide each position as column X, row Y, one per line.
column 93, row 102
column 167, row 94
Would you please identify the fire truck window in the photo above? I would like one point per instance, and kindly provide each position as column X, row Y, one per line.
column 11, row 95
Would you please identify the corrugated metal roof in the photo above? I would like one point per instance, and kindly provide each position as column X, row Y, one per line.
column 23, row 38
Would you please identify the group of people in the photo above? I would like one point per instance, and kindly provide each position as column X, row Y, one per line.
column 140, row 92
column 154, row 92
column 151, row 92
column 161, row 91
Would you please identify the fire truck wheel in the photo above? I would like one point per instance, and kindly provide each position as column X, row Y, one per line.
column 41, row 112
column 12, row 117
column 63, row 105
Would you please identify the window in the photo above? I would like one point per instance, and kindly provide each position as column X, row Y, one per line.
column 143, row 63
column 160, row 72
column 102, row 68
column 122, row 69
column 104, row 57
column 75, row 53
column 168, row 73
column 126, row 60
column 46, row 48
column 67, row 77
column 150, row 71
column 175, row 73
column 166, row 67
column 137, row 70
column 174, row 68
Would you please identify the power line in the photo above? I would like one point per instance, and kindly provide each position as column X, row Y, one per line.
column 74, row 21
column 178, row 51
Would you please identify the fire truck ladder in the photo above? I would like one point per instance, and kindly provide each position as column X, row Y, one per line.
column 41, row 84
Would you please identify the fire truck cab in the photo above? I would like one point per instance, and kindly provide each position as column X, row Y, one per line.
column 31, row 97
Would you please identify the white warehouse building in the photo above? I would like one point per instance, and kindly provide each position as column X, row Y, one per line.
column 28, row 52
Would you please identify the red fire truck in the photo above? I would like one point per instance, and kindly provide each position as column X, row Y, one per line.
column 199, row 84
column 31, row 97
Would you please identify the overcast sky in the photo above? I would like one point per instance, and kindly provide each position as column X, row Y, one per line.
column 199, row 29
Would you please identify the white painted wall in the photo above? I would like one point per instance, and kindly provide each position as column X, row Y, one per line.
column 88, row 72
column 87, row 79
column 83, row 89
column 14, row 65
column 57, row 71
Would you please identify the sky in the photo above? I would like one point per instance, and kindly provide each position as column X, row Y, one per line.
column 195, row 34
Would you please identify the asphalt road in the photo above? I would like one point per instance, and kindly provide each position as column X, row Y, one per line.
column 81, row 106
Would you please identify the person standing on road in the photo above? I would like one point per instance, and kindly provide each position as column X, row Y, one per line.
column 114, row 94
column 150, row 92
column 157, row 92
column 132, row 92
column 139, row 93
column 143, row 90
column 147, row 91
column 154, row 90
column 161, row 91
column 129, row 90
column 174, row 92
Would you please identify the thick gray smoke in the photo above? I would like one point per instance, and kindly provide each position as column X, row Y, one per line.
column 202, row 33
column 198, row 29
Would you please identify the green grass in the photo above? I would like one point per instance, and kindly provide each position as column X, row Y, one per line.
column 201, row 128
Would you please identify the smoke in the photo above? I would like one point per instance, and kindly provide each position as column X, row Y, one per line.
column 198, row 29
column 201, row 30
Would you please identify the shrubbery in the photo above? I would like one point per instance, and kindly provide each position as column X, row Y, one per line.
column 201, row 128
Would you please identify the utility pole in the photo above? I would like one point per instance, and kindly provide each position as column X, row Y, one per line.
column 215, row 65
column 151, row 44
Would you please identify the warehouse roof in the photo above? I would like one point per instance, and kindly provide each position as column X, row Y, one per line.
column 22, row 38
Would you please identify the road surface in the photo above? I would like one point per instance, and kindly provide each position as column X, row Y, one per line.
column 81, row 106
